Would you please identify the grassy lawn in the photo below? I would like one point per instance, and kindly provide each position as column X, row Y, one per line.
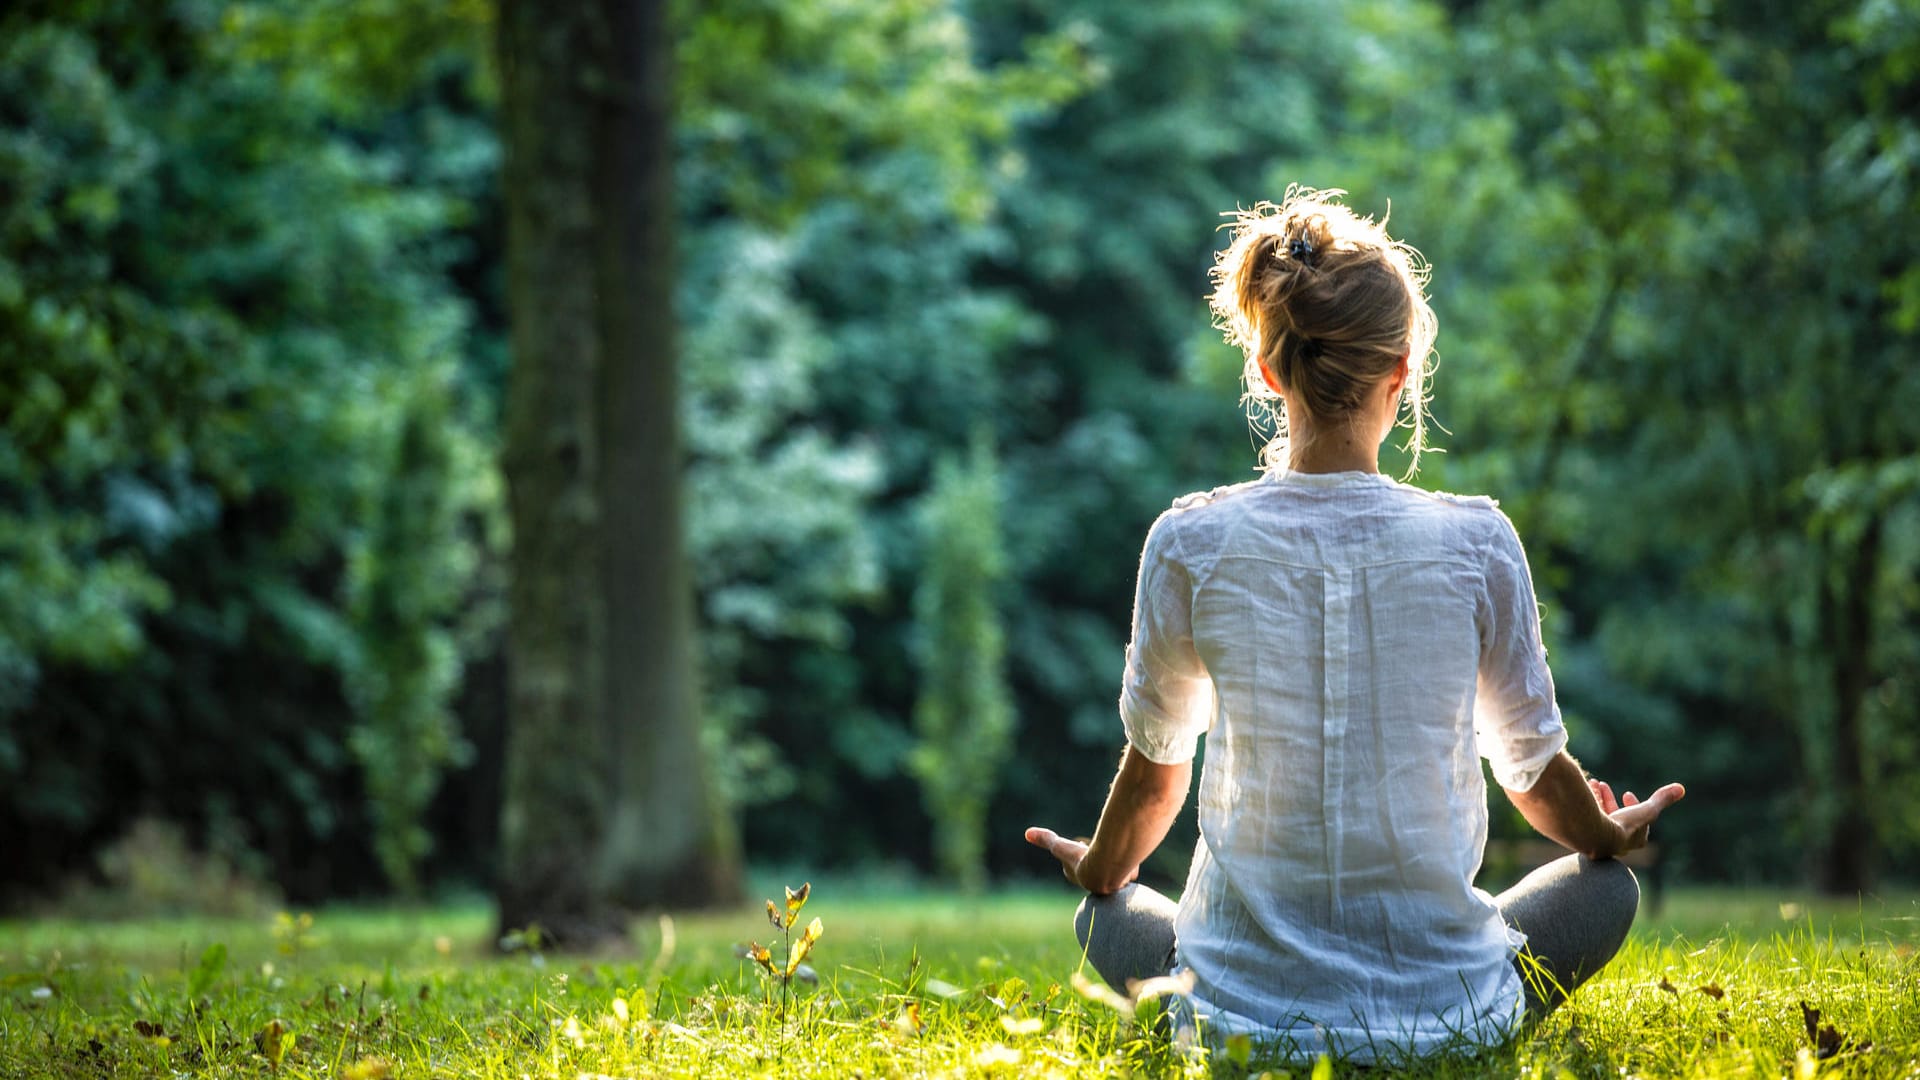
column 910, row 983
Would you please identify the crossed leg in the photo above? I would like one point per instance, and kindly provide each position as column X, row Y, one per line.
column 1128, row 935
column 1575, row 912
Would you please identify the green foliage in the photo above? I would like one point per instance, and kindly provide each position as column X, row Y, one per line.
column 215, row 300
column 835, row 342
column 775, row 502
column 250, row 368
column 1743, row 334
column 415, row 569
column 783, row 104
column 213, row 962
column 965, row 716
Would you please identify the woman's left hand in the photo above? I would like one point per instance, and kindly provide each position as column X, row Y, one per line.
column 1071, row 853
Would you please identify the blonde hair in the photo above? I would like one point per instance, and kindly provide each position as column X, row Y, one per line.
column 1329, row 303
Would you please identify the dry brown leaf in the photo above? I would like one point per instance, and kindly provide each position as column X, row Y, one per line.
column 1827, row 1040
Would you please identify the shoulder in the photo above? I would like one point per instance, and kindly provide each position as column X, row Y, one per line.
column 1482, row 503
column 1473, row 526
column 1477, row 517
column 1197, row 500
column 1191, row 515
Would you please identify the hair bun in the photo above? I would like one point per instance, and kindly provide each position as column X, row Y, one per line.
column 1308, row 237
column 1325, row 305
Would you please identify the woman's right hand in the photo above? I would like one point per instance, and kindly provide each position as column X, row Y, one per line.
column 1634, row 816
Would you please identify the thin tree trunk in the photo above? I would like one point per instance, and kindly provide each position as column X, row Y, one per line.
column 1846, row 858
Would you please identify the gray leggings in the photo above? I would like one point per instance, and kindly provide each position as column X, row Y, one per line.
column 1575, row 912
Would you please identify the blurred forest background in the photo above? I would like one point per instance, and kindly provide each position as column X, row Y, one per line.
column 944, row 357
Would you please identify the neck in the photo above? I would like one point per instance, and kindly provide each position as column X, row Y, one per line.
column 1337, row 448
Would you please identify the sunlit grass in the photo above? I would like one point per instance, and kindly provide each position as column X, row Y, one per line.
column 910, row 983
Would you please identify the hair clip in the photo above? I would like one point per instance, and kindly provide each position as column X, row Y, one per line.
column 1300, row 247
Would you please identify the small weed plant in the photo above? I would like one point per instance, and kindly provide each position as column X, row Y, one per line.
column 791, row 964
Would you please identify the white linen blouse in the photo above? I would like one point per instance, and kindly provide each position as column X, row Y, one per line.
column 1351, row 646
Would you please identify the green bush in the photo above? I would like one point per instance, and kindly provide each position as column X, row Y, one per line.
column 218, row 296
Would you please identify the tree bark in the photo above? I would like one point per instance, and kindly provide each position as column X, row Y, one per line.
column 1846, row 855
column 607, row 805
column 667, row 839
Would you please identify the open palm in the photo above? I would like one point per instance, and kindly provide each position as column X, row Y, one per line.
column 1632, row 814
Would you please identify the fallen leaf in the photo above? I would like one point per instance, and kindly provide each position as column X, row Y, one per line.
column 1827, row 1040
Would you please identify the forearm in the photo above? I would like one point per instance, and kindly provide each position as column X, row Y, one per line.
column 1141, row 805
column 1562, row 807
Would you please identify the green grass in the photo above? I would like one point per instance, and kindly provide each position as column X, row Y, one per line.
column 417, row 992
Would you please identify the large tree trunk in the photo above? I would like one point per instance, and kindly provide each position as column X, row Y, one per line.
column 667, row 841
column 607, row 804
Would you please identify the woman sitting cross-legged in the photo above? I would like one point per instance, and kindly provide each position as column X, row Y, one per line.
column 1351, row 646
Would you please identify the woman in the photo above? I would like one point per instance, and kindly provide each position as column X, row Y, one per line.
column 1351, row 646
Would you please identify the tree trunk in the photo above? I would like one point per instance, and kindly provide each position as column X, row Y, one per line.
column 1846, row 855
column 607, row 804
column 667, row 840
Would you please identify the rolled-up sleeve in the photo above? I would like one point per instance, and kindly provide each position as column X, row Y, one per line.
column 1516, row 722
column 1166, row 696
